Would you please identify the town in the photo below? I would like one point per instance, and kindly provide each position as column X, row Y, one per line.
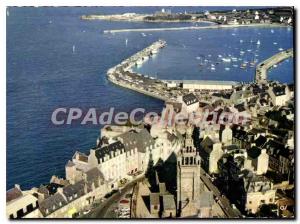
column 278, row 15
column 207, row 168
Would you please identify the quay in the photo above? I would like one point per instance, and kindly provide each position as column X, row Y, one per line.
column 263, row 67
column 193, row 28
column 192, row 85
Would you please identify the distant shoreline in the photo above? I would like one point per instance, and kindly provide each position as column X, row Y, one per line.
column 141, row 18
column 195, row 27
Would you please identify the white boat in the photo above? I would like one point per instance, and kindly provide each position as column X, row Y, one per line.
column 199, row 38
column 198, row 58
column 234, row 59
column 275, row 43
column 227, row 69
column 143, row 34
column 241, row 41
column 242, row 52
column 249, row 50
column 274, row 66
column 209, row 55
column 258, row 42
column 213, row 68
column 272, row 31
column 220, row 56
column 139, row 62
column 280, row 49
column 73, row 48
column 154, row 51
column 226, row 59
column 235, row 66
column 126, row 41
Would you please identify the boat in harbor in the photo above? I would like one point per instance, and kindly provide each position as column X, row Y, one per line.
column 73, row 49
column 226, row 59
column 275, row 43
column 280, row 49
column 243, row 66
column 235, row 66
column 227, row 69
column 258, row 42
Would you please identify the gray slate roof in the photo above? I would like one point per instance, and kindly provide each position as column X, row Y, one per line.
column 140, row 140
column 52, row 204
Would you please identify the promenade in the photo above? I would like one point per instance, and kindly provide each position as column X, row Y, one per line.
column 193, row 28
column 263, row 67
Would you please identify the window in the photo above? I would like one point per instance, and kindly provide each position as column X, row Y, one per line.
column 250, row 202
column 155, row 207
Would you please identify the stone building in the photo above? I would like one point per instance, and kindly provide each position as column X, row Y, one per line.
column 259, row 159
column 189, row 185
column 258, row 191
column 210, row 152
column 20, row 204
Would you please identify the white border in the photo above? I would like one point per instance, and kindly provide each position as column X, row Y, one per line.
column 5, row 3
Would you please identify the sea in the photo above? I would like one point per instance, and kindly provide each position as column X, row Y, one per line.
column 56, row 60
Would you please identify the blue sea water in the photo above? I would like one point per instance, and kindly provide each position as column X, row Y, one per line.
column 43, row 74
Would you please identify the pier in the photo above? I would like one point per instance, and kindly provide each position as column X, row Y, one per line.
column 263, row 67
column 122, row 75
column 192, row 28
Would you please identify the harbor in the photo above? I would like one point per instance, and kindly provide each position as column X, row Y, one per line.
column 166, row 90
column 169, row 90
column 263, row 67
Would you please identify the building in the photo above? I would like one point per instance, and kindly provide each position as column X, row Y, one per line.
column 210, row 152
column 20, row 204
column 279, row 95
column 258, row 191
column 189, row 186
column 190, row 102
column 259, row 159
column 226, row 136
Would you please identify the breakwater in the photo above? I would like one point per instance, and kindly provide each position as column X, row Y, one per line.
column 194, row 28
column 263, row 67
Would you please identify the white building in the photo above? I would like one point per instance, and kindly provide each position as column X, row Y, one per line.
column 259, row 191
column 279, row 95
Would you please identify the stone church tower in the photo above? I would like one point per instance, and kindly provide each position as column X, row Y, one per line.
column 189, row 185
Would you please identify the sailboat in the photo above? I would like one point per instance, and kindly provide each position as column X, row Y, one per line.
column 258, row 42
column 126, row 42
column 73, row 49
